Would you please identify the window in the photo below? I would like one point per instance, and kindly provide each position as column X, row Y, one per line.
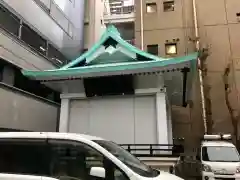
column 152, row 49
column 171, row 49
column 24, row 157
column 1, row 69
column 220, row 154
column 151, row 7
column 128, row 159
column 9, row 21
column 30, row 37
column 54, row 158
column 168, row 6
column 55, row 56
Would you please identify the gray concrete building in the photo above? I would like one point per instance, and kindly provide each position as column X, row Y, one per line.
column 35, row 35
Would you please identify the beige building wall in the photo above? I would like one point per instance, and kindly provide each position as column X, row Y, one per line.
column 220, row 30
column 94, row 22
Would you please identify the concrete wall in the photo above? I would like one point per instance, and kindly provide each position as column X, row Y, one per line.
column 20, row 110
column 220, row 30
column 63, row 26
column 20, row 55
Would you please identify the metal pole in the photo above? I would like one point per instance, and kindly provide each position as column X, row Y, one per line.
column 141, row 23
column 199, row 68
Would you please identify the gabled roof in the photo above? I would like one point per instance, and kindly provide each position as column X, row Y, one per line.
column 112, row 55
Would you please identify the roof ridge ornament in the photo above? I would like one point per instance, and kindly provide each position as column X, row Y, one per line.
column 113, row 29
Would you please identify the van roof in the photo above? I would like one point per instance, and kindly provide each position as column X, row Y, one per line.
column 217, row 143
column 45, row 135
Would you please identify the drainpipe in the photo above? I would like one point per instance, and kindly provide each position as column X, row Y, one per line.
column 204, row 115
column 141, row 23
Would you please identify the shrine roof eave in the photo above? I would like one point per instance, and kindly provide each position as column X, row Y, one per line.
column 98, row 70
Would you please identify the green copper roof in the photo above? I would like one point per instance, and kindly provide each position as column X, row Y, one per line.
column 112, row 54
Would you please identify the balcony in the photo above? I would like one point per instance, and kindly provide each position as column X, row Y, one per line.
column 118, row 12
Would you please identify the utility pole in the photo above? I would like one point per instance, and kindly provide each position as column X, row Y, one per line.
column 141, row 24
column 200, row 72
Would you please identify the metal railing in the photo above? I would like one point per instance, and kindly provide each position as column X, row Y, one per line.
column 154, row 150
column 111, row 8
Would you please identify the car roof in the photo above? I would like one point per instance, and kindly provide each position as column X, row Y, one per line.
column 45, row 135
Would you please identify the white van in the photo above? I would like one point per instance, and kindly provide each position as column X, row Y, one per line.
column 52, row 156
column 219, row 158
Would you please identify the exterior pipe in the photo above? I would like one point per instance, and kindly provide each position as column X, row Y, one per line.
column 200, row 74
column 141, row 23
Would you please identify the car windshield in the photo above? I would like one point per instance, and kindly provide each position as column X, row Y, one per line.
column 128, row 159
column 220, row 154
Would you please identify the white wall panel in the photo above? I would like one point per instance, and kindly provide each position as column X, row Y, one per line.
column 79, row 117
column 145, row 120
column 130, row 119
column 113, row 119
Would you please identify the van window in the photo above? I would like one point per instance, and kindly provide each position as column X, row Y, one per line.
column 74, row 159
column 128, row 159
column 24, row 157
column 220, row 154
column 55, row 158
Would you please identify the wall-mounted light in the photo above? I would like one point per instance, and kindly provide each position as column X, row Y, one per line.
column 55, row 59
column 42, row 49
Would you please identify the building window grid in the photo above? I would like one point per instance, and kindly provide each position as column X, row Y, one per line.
column 117, row 7
column 19, row 28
